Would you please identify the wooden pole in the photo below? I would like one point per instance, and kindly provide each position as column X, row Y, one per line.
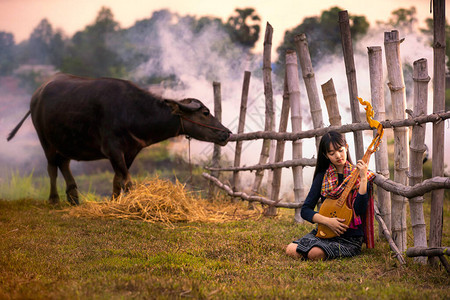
column 291, row 136
column 431, row 252
column 387, row 234
column 350, row 69
column 424, row 251
column 401, row 154
column 241, row 126
column 437, row 197
column 330, row 97
column 247, row 197
column 279, row 153
column 216, row 151
column 269, row 117
column 310, row 82
column 296, row 123
column 310, row 162
column 417, row 148
column 381, row 156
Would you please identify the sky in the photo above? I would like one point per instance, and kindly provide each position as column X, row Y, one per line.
column 20, row 17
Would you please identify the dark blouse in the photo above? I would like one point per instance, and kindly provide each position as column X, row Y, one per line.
column 359, row 206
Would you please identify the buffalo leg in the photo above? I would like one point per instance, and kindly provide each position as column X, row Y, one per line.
column 53, row 173
column 122, row 178
column 71, row 185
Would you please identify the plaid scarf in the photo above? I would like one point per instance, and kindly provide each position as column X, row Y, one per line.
column 331, row 189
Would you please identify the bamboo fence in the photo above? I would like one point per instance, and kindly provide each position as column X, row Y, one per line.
column 350, row 70
column 437, row 196
column 293, row 84
column 401, row 154
column 417, row 148
column 381, row 156
column 391, row 215
column 270, row 112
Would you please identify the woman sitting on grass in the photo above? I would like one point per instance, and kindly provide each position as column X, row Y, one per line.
column 330, row 178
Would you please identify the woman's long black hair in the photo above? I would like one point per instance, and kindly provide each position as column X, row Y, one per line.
column 337, row 140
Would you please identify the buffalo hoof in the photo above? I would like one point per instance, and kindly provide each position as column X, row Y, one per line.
column 73, row 200
column 72, row 195
column 53, row 200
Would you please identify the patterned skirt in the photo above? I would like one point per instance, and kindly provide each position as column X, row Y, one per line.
column 336, row 247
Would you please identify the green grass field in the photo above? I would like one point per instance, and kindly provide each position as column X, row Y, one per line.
column 46, row 253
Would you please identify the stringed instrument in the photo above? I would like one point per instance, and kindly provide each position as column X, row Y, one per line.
column 338, row 208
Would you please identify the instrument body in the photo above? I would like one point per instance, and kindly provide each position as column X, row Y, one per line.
column 338, row 208
column 331, row 209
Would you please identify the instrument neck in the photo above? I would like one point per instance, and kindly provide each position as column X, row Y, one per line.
column 354, row 175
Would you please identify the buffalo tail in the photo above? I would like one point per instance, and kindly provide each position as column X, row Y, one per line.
column 14, row 131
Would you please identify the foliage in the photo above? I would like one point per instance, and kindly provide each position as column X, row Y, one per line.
column 7, row 59
column 430, row 31
column 242, row 32
column 403, row 17
column 90, row 52
column 46, row 253
column 153, row 44
column 31, row 78
column 45, row 46
column 323, row 35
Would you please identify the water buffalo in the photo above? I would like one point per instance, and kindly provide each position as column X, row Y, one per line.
column 88, row 119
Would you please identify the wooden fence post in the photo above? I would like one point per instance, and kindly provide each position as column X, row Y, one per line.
column 216, row 152
column 279, row 153
column 381, row 156
column 330, row 97
column 241, row 126
column 296, row 123
column 270, row 113
column 437, row 196
column 310, row 82
column 350, row 69
column 417, row 147
column 401, row 154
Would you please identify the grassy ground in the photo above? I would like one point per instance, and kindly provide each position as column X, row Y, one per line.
column 46, row 253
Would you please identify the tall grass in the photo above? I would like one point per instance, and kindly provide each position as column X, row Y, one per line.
column 28, row 186
column 24, row 186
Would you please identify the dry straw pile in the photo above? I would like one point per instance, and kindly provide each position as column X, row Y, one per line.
column 162, row 201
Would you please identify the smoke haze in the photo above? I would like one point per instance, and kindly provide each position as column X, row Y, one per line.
column 197, row 60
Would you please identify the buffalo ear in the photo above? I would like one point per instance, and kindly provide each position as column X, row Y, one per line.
column 180, row 106
column 174, row 106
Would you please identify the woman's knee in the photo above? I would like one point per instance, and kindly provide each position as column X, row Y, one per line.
column 291, row 250
column 316, row 253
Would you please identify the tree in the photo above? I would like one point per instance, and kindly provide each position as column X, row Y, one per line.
column 323, row 36
column 240, row 30
column 151, row 45
column 44, row 47
column 7, row 58
column 92, row 52
column 404, row 17
column 39, row 43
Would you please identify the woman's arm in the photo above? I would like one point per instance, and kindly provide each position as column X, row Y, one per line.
column 310, row 203
column 362, row 167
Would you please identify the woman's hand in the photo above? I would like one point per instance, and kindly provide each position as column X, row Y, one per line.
column 362, row 167
column 336, row 225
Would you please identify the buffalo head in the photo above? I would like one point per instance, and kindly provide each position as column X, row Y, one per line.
column 197, row 122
